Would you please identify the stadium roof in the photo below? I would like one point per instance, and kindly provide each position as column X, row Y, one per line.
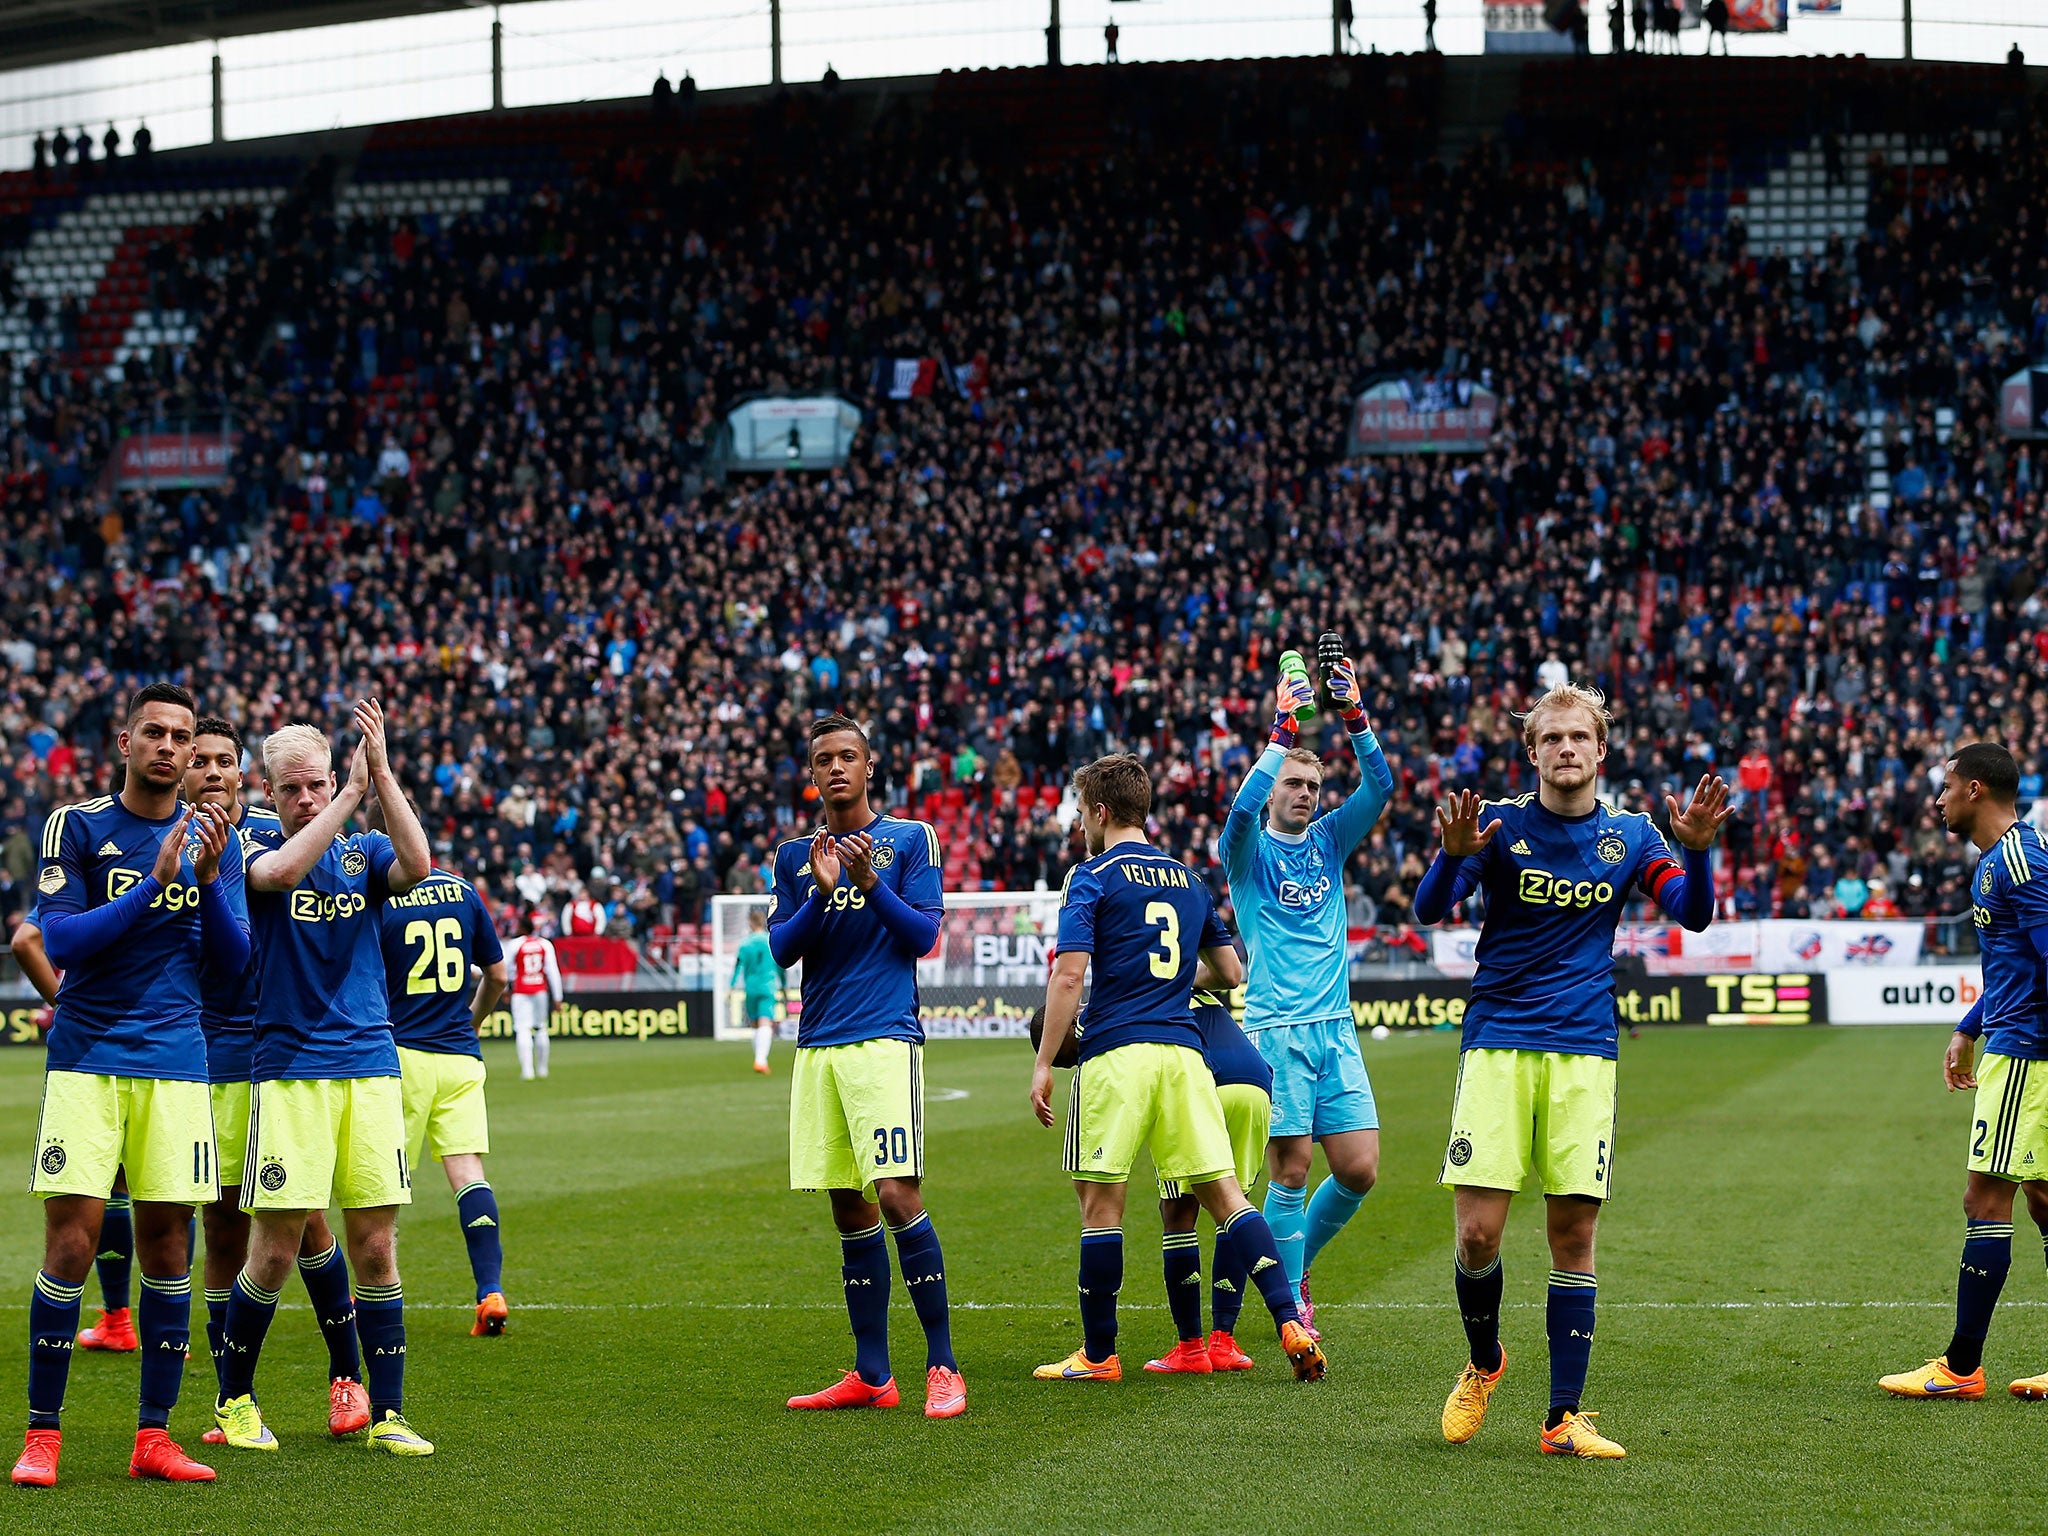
column 51, row 31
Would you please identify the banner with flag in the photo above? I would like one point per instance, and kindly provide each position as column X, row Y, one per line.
column 1756, row 15
column 904, row 378
column 1820, row 7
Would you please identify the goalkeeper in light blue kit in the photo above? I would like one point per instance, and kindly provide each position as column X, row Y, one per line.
column 1287, row 884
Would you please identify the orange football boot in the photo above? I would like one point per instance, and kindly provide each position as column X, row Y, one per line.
column 849, row 1391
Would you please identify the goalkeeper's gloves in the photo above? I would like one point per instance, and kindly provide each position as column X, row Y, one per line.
column 1286, row 729
column 1343, row 685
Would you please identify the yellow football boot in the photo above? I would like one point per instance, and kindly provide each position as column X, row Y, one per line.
column 1465, row 1408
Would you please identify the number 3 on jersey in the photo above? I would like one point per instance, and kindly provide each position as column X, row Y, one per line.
column 1166, row 962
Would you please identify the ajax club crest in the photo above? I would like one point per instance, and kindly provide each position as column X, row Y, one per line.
column 1612, row 848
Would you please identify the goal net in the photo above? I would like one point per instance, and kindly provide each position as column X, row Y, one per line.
column 981, row 981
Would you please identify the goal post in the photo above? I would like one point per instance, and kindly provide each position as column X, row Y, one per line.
column 982, row 979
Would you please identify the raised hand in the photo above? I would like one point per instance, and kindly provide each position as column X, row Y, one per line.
column 1457, row 822
column 825, row 865
column 171, row 851
column 1343, row 686
column 359, row 768
column 1294, row 692
column 857, row 853
column 370, row 721
column 214, row 830
column 1701, row 823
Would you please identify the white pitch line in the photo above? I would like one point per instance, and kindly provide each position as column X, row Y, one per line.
column 681, row 1305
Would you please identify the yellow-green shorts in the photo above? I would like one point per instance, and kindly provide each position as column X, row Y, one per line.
column 230, row 1127
column 1248, row 1113
column 2009, row 1133
column 315, row 1142
column 1146, row 1094
column 1545, row 1111
column 856, row 1115
column 92, row 1125
column 444, row 1104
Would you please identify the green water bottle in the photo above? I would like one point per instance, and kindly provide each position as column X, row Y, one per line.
column 1291, row 665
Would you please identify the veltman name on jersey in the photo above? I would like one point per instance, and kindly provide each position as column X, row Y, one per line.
column 1158, row 877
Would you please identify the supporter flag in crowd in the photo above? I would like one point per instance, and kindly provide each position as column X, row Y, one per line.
column 1820, row 7
column 971, row 378
column 2023, row 404
column 1642, row 939
column 1423, row 413
column 904, row 378
column 1756, row 15
column 1258, row 228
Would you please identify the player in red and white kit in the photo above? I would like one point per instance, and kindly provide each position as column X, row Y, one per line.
column 584, row 917
column 536, row 983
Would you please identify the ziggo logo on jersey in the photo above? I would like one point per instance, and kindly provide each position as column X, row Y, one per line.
column 1294, row 893
column 1540, row 888
column 314, row 907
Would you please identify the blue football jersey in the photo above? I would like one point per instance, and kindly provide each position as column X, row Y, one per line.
column 1288, row 893
column 132, row 1009
column 227, row 1004
column 320, row 1010
column 1555, row 888
column 2009, row 905
column 1146, row 919
column 1228, row 1050
column 432, row 934
column 858, row 982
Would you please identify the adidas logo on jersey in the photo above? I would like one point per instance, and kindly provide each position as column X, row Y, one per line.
column 108, row 850
column 1518, row 846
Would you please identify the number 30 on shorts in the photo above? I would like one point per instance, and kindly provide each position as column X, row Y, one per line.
column 892, row 1145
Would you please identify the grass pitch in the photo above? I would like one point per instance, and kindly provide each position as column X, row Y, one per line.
column 1784, row 1229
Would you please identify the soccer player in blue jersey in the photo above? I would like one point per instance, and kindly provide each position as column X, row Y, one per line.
column 1145, row 923
column 1287, row 886
column 114, row 1264
column 858, row 905
column 131, row 892
column 227, row 1016
column 1244, row 1087
column 434, row 935
column 2009, row 1131
column 326, row 1115
column 1536, row 1068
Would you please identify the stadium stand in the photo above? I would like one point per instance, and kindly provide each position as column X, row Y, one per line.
column 1750, row 478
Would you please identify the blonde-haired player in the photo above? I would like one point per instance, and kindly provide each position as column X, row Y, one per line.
column 327, row 1118
column 536, row 983
column 1536, row 1070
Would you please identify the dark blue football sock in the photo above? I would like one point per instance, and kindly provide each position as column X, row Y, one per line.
column 1261, row 1260
column 1479, row 1306
column 217, row 1332
column 1226, row 1289
column 163, row 1325
column 326, row 1277
column 1329, row 1208
column 1569, row 1321
column 1987, row 1258
column 1102, row 1276
column 116, row 1259
column 1182, row 1252
column 924, row 1276
column 250, row 1309
column 52, row 1325
column 865, row 1268
column 380, row 1320
column 477, row 1209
